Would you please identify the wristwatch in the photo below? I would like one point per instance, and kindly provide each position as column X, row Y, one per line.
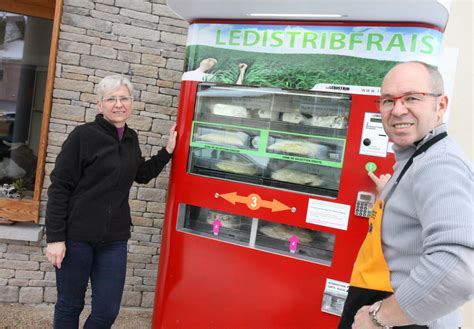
column 373, row 310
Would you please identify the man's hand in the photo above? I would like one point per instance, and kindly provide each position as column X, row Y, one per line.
column 381, row 181
column 362, row 319
column 172, row 140
column 55, row 253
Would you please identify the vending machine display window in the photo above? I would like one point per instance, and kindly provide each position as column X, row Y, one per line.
column 292, row 241
column 284, row 139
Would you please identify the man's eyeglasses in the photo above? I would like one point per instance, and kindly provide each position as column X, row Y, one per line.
column 113, row 100
column 408, row 100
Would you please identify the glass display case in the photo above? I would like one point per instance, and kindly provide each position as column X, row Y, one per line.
column 285, row 139
column 301, row 243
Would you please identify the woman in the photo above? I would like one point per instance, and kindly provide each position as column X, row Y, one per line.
column 88, row 215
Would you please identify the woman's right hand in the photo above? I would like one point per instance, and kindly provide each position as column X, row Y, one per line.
column 55, row 253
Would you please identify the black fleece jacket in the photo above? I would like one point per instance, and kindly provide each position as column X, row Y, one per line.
column 90, row 184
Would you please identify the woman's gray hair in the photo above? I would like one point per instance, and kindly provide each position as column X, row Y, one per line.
column 111, row 83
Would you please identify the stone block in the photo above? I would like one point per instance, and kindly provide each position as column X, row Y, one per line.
column 137, row 5
column 42, row 283
column 68, row 112
column 154, row 98
column 66, row 94
column 128, row 56
column 18, row 282
column 144, row 70
column 139, row 258
column 72, row 29
column 174, row 38
column 103, row 35
column 79, row 37
column 9, row 294
column 74, row 76
column 67, row 84
column 50, row 295
column 31, row 295
column 137, row 205
column 154, row 60
column 143, row 288
column 76, row 10
column 142, row 250
column 150, row 194
column 78, row 69
column 19, row 265
column 67, row 58
column 171, row 29
column 30, row 275
column 7, row 274
column 107, row 9
column 135, row 32
column 163, row 11
column 74, row 47
column 146, row 50
column 141, row 221
column 140, row 237
column 170, row 75
column 15, row 256
column 161, row 127
column 133, row 280
column 174, row 22
column 158, row 45
column 115, row 18
column 104, row 64
column 173, row 54
column 131, row 298
column 116, row 45
column 147, row 230
column 104, row 52
column 80, row 3
column 138, row 122
column 149, row 281
column 144, row 24
column 85, row 22
column 145, row 273
column 56, row 138
column 139, row 15
column 175, row 64
column 135, row 265
column 155, row 207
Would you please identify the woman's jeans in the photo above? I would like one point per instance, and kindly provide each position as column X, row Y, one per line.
column 105, row 264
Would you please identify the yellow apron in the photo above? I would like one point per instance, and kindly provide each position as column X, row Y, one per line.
column 370, row 269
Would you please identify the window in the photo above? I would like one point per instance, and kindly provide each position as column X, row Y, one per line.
column 25, row 45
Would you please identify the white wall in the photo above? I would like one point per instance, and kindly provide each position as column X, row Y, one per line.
column 459, row 34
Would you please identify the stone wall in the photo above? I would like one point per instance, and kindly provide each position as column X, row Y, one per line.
column 145, row 41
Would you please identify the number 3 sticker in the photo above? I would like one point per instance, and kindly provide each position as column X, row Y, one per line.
column 254, row 201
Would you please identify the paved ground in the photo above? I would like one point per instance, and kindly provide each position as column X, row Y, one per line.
column 18, row 316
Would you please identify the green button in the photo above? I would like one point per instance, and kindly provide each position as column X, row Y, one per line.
column 370, row 167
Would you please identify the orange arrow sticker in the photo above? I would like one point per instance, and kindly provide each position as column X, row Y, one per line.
column 254, row 201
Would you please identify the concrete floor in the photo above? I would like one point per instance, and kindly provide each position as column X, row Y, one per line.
column 22, row 316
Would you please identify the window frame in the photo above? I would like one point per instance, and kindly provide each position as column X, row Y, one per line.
column 28, row 210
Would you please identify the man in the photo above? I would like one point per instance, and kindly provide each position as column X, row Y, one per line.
column 415, row 268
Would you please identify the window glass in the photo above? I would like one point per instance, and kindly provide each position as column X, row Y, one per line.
column 25, row 43
column 284, row 139
column 277, row 238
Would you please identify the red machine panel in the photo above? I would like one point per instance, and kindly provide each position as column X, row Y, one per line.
column 268, row 196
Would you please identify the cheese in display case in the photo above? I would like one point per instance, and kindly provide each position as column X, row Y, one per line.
column 286, row 139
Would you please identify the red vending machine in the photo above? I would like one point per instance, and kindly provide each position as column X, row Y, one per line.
column 269, row 194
